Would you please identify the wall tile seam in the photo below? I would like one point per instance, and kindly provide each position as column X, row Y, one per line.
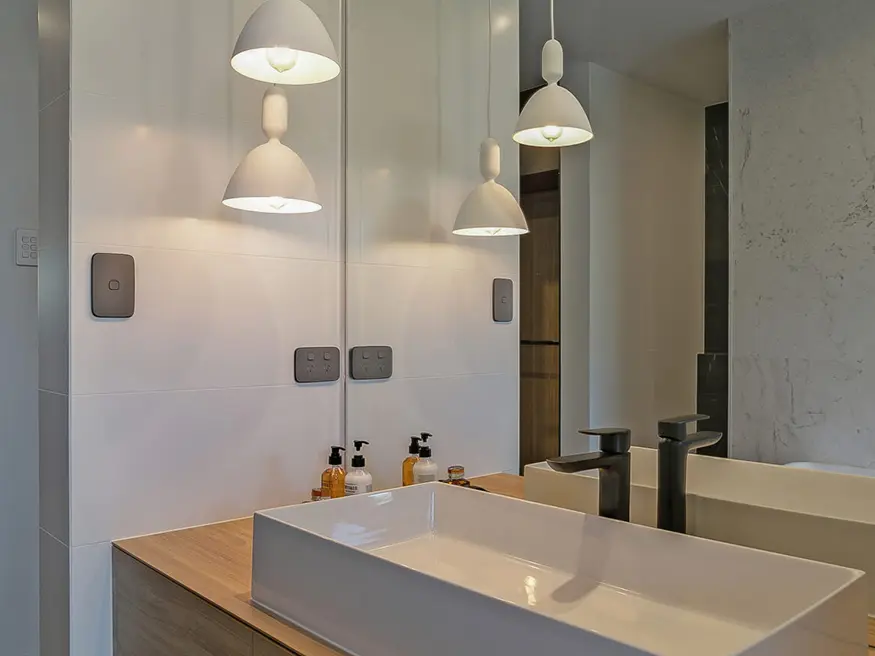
column 54, row 100
column 52, row 392
column 499, row 374
column 224, row 114
column 163, row 249
column 498, row 272
column 192, row 390
column 290, row 386
column 54, row 537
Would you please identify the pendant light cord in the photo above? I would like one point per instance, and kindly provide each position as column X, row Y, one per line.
column 552, row 21
column 489, row 77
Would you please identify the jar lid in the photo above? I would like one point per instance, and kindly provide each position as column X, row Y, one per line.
column 456, row 472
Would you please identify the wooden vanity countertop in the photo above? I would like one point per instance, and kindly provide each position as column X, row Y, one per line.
column 214, row 562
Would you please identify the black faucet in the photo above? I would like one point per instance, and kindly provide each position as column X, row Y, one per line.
column 614, row 463
column 674, row 447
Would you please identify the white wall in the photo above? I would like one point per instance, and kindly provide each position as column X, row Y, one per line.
column 803, row 187
column 413, row 156
column 188, row 412
column 19, row 486
column 642, row 292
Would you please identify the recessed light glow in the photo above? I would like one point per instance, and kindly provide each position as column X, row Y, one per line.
column 285, row 66
column 273, row 205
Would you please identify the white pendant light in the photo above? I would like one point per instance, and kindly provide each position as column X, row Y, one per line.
column 272, row 178
column 490, row 210
column 284, row 42
column 553, row 117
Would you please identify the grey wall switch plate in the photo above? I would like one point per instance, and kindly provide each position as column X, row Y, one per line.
column 502, row 300
column 318, row 364
column 112, row 286
column 371, row 362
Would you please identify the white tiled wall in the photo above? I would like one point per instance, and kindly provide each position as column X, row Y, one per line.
column 413, row 156
column 53, row 330
column 188, row 412
column 19, row 452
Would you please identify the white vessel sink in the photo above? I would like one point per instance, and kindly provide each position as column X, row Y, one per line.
column 817, row 515
column 432, row 570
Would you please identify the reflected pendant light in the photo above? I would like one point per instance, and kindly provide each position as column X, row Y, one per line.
column 553, row 117
column 490, row 210
column 284, row 42
column 272, row 178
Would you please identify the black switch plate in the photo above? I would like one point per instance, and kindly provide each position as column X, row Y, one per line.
column 502, row 300
column 112, row 286
column 317, row 364
column 371, row 362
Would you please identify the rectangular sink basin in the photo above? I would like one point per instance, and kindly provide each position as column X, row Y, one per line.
column 432, row 569
column 816, row 515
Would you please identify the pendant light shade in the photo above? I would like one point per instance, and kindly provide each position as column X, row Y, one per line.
column 272, row 178
column 553, row 117
column 284, row 42
column 490, row 210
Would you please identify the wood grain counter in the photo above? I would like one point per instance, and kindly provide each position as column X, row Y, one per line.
column 188, row 592
column 214, row 565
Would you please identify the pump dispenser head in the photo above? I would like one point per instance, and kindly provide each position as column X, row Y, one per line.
column 335, row 458
column 414, row 446
column 358, row 460
column 425, row 450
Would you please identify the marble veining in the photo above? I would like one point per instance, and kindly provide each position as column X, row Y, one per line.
column 802, row 208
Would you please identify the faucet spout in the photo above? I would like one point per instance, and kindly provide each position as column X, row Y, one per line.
column 703, row 440
column 674, row 447
column 614, row 463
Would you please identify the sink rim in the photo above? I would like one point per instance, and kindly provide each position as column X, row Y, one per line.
column 288, row 515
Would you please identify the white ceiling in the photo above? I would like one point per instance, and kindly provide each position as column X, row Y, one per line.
column 679, row 45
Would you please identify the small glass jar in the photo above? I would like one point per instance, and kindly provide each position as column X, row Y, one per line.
column 456, row 476
column 316, row 494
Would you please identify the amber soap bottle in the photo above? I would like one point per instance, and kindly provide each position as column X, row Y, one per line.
column 334, row 478
column 409, row 461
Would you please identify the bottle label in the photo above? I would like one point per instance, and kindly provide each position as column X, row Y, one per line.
column 352, row 489
column 426, row 478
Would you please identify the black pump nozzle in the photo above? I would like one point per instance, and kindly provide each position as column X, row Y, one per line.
column 425, row 449
column 413, row 449
column 358, row 460
column 335, row 458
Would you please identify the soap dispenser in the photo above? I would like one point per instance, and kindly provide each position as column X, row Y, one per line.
column 409, row 462
column 425, row 470
column 358, row 480
column 334, row 478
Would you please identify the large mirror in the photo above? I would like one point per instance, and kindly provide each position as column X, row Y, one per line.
column 708, row 252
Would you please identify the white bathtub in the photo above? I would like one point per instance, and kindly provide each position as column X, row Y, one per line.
column 837, row 469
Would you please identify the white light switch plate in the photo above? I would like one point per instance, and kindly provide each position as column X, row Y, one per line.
column 26, row 247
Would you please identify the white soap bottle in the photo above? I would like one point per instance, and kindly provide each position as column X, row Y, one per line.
column 425, row 470
column 358, row 479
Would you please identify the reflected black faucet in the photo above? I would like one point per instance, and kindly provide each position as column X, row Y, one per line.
column 674, row 447
column 614, row 463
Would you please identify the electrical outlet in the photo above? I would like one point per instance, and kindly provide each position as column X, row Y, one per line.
column 371, row 362
column 26, row 247
column 317, row 364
